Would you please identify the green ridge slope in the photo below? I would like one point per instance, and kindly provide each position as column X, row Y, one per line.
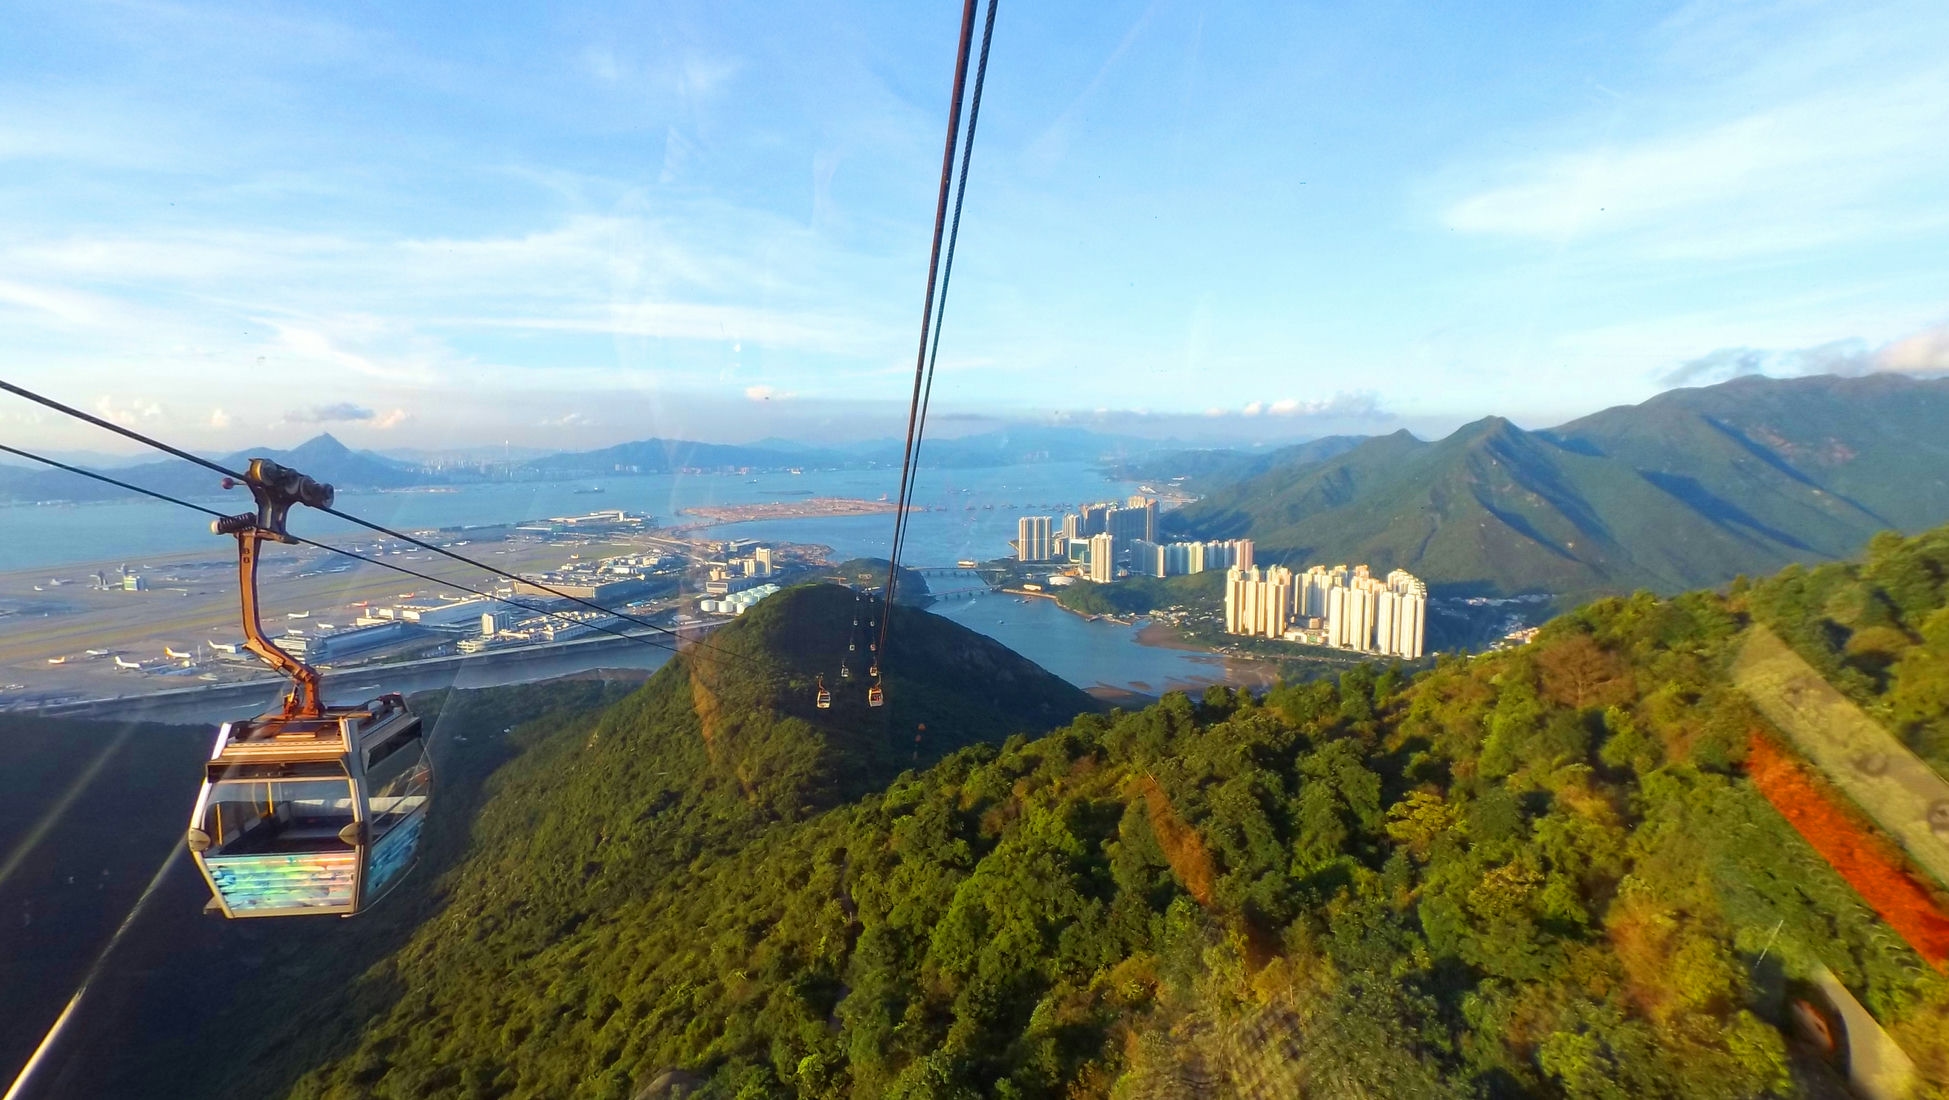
column 1688, row 489
column 1533, row 873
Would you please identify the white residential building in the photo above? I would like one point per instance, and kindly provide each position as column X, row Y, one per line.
column 1103, row 557
column 1338, row 606
column 1033, row 541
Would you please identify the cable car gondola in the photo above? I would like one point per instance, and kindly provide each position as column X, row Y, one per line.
column 875, row 697
column 824, row 698
column 308, row 809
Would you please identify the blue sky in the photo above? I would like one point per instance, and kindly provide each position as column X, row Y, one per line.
column 573, row 224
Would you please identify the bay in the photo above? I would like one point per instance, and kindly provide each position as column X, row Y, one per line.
column 971, row 512
column 1089, row 653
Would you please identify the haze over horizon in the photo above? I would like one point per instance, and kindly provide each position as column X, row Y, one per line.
column 574, row 226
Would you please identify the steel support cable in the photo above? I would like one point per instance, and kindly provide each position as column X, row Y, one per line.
column 947, row 276
column 927, row 305
column 356, row 556
column 138, row 437
column 933, row 273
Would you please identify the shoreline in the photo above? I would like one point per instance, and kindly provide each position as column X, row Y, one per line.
column 1247, row 672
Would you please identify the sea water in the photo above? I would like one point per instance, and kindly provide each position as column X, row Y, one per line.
column 971, row 513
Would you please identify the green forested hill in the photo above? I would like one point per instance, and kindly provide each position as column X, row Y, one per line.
column 872, row 573
column 1687, row 489
column 1538, row 872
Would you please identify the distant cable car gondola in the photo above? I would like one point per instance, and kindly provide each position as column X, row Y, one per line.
column 309, row 809
column 824, row 698
column 875, row 697
column 844, row 672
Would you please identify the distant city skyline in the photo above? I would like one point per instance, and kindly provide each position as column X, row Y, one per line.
column 569, row 226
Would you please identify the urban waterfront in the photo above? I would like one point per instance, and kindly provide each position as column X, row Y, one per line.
column 1090, row 653
column 972, row 512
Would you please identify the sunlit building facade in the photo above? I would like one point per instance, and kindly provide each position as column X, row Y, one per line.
column 1338, row 606
column 1033, row 541
column 1103, row 557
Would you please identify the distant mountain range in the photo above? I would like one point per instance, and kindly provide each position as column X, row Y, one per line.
column 328, row 460
column 664, row 456
column 322, row 457
column 1009, row 446
column 1687, row 489
column 1206, row 469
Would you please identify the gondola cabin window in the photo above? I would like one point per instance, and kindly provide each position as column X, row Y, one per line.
column 254, row 816
column 397, row 779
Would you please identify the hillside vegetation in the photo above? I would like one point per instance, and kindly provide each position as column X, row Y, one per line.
column 1137, row 595
column 1685, row 490
column 867, row 573
column 1537, row 872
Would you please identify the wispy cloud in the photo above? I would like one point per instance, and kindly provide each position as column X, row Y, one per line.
column 1779, row 128
column 331, row 414
column 1346, row 406
column 128, row 412
column 1924, row 353
column 1827, row 167
column 64, row 306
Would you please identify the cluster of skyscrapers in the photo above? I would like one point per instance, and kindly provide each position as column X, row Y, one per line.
column 1329, row 606
column 1175, row 559
column 1043, row 538
column 1100, row 536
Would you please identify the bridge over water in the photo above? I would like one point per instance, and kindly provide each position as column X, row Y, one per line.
column 951, row 582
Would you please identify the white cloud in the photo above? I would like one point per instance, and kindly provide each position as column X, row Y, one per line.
column 66, row 306
column 1358, row 405
column 701, row 76
column 1925, row 352
column 343, row 412
column 392, row 419
column 1765, row 129
column 219, row 419
column 127, row 413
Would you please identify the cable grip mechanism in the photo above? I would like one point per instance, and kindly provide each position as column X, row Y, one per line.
column 276, row 488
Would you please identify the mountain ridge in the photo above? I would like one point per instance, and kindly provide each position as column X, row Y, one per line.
column 1539, row 872
column 1685, row 490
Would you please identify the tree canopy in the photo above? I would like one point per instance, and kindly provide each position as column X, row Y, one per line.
column 1536, row 872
